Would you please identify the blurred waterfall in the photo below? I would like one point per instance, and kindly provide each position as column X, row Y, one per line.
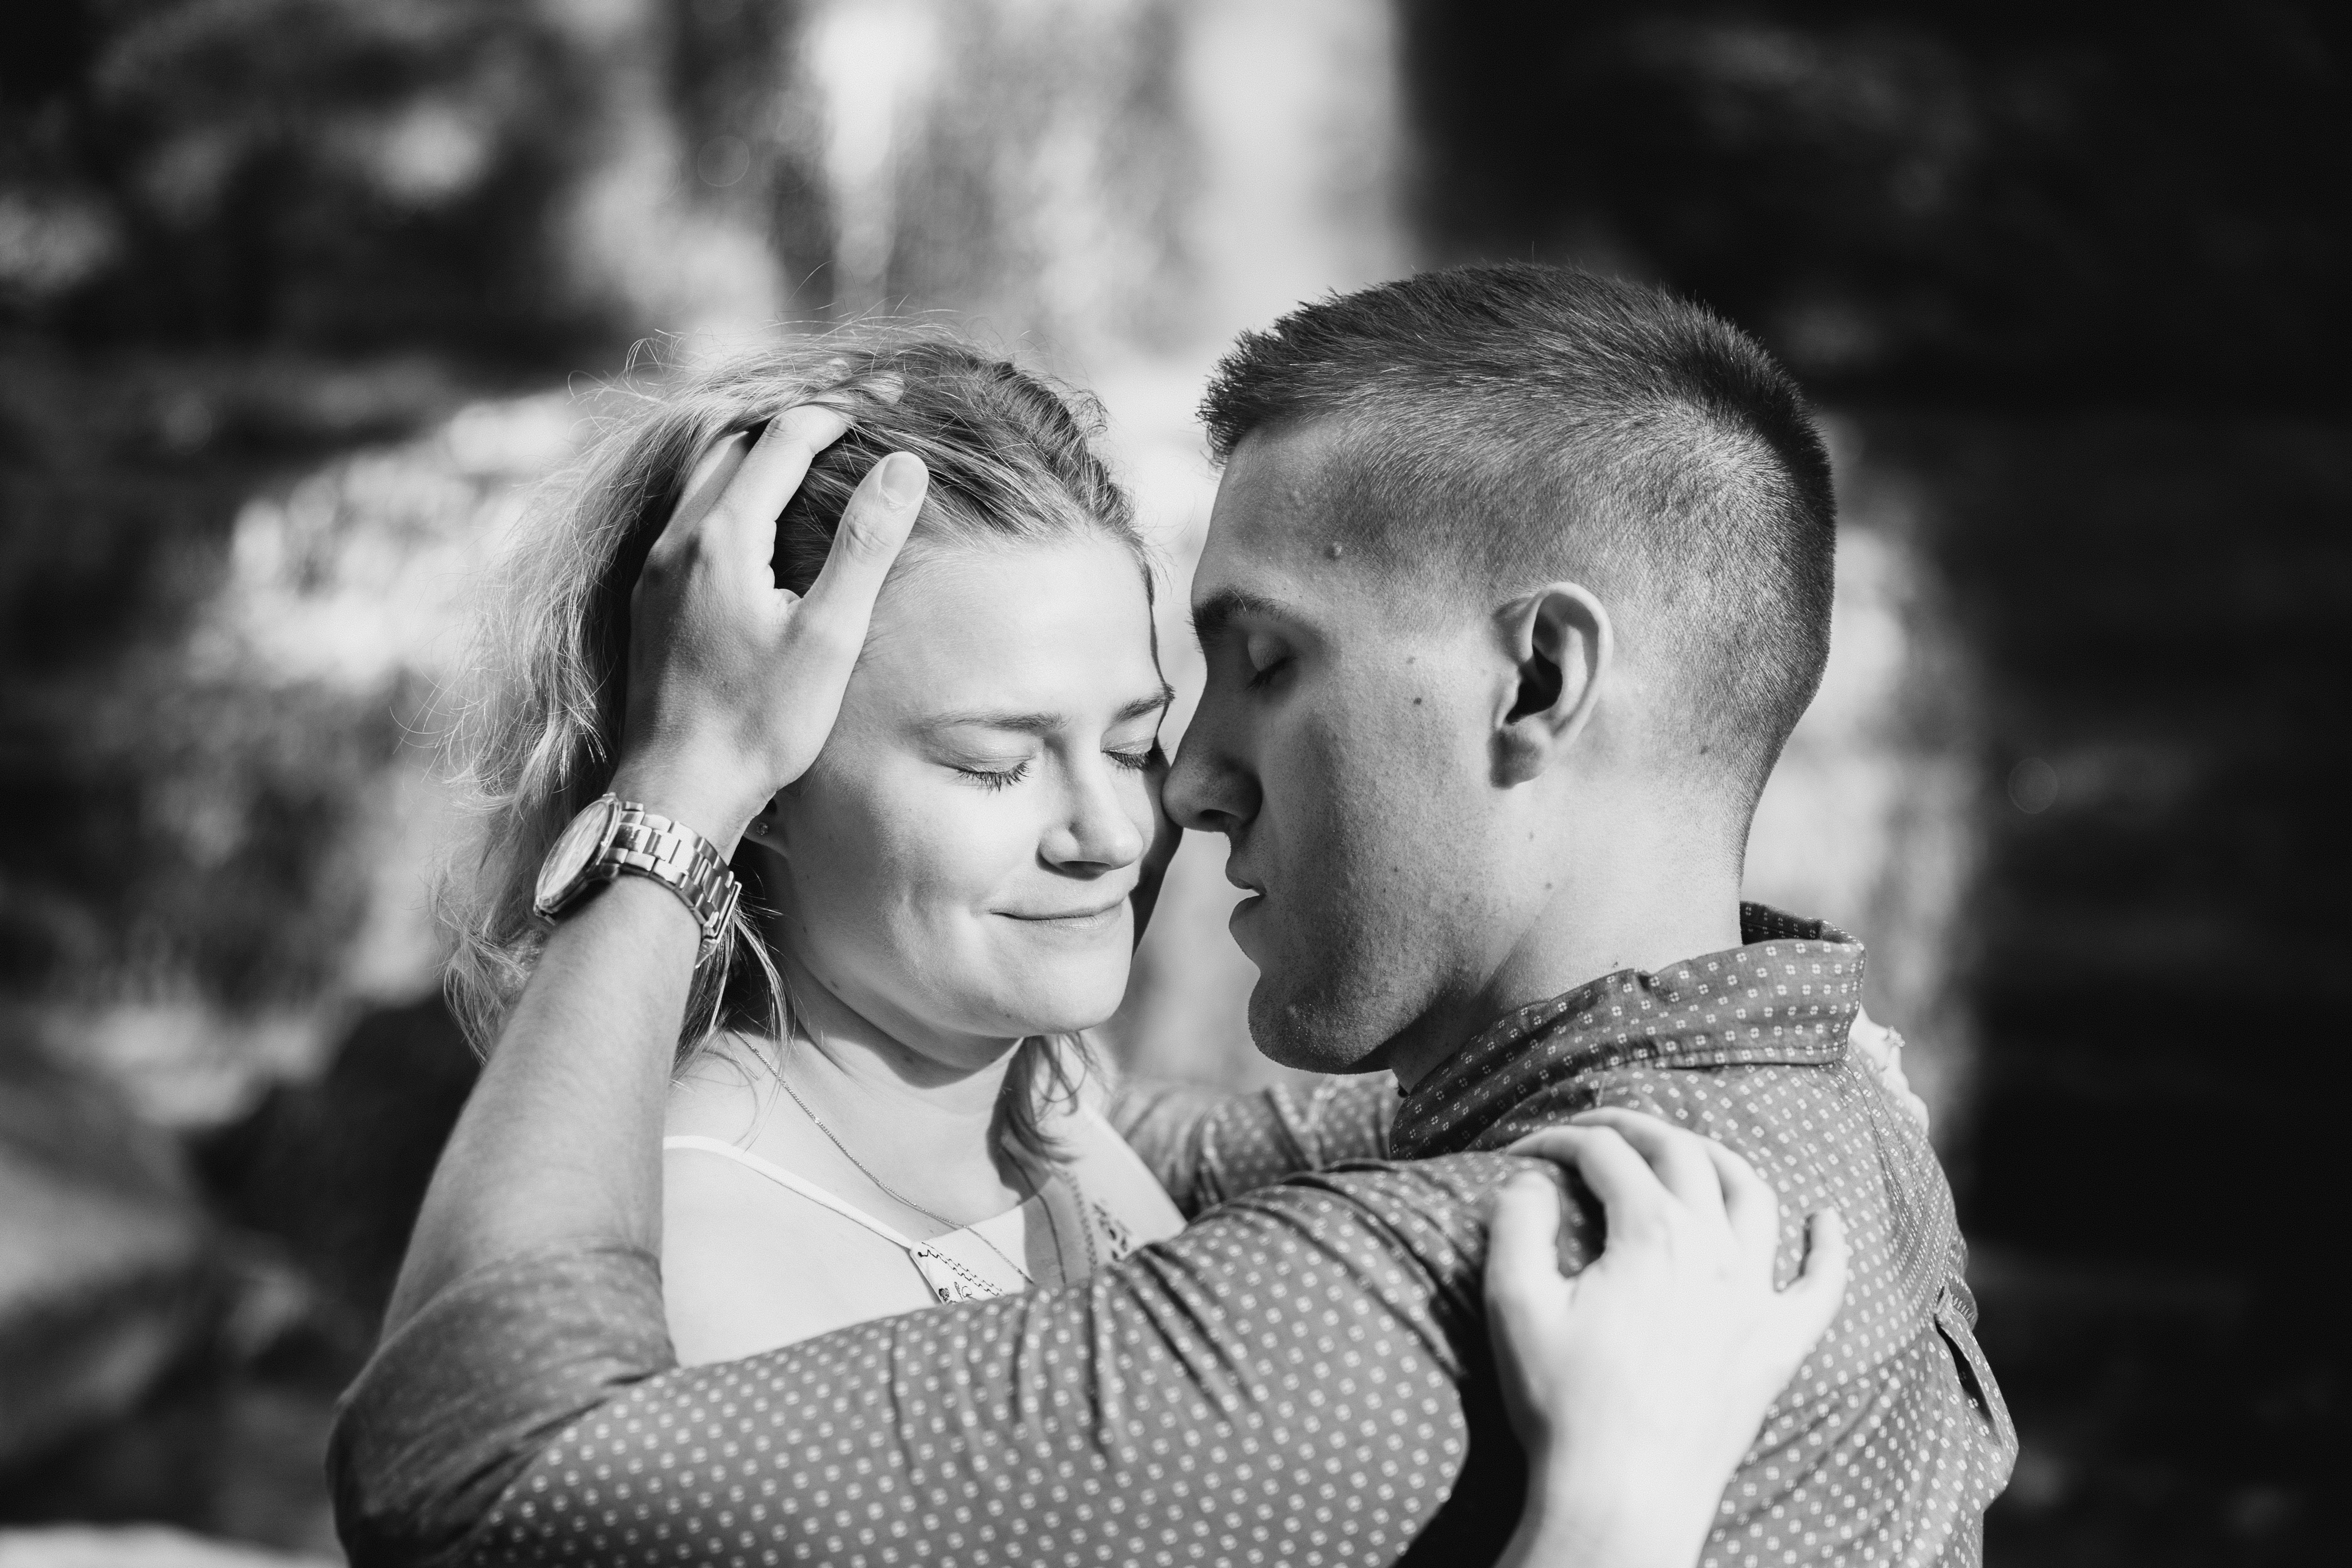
column 1109, row 189
column 1210, row 167
column 1115, row 188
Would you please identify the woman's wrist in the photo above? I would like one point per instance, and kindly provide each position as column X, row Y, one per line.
column 1584, row 1515
column 689, row 793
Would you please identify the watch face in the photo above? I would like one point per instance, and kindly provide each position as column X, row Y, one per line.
column 559, row 875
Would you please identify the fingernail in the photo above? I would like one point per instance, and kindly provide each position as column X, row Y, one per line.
column 901, row 478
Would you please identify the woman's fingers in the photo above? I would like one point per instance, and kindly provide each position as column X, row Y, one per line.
column 839, row 605
column 1679, row 1156
column 1883, row 1049
column 741, row 527
column 713, row 472
column 1523, row 1273
column 1811, row 1302
column 1634, row 1200
column 1750, row 1205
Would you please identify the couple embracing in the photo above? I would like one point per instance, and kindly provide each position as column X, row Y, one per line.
column 792, row 1221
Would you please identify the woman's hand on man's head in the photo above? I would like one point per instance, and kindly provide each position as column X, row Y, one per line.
column 734, row 682
column 1637, row 1385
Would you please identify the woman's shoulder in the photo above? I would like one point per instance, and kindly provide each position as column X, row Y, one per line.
column 1111, row 1175
column 719, row 1092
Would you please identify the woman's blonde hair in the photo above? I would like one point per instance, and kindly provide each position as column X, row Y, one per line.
column 536, row 737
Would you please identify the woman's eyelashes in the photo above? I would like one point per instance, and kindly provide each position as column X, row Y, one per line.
column 995, row 775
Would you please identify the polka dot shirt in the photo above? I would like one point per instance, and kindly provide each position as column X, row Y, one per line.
column 1299, row 1377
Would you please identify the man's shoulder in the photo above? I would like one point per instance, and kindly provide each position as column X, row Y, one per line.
column 1432, row 1208
column 1796, row 1120
column 1444, row 1180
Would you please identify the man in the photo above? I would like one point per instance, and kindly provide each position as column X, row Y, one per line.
column 1517, row 583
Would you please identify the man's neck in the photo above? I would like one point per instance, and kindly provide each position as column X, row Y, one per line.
column 1644, row 921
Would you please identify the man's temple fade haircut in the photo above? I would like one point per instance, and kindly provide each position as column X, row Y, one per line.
column 1516, row 425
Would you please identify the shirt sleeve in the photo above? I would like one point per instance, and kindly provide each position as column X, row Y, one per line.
column 456, row 1402
column 1210, row 1144
column 1277, row 1382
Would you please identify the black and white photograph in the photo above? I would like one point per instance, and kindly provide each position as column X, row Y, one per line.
column 1177, row 783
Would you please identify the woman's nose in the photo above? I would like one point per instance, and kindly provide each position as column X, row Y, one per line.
column 1100, row 828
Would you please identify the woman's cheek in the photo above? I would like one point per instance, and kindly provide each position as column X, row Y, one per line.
column 1141, row 797
column 957, row 845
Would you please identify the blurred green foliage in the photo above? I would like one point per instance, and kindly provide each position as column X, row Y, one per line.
column 338, row 174
column 1958, row 201
column 236, row 237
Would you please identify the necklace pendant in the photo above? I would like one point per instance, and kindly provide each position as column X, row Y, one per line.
column 950, row 1281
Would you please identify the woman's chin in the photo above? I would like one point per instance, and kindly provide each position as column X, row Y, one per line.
column 1066, row 1002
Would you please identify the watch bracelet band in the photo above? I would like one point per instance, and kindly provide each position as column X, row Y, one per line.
column 647, row 844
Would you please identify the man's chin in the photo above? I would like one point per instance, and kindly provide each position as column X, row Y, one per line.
column 1311, row 1037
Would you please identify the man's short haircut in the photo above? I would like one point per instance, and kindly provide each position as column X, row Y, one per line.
column 1504, row 426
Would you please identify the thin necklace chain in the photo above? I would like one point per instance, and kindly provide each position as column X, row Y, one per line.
column 932, row 1215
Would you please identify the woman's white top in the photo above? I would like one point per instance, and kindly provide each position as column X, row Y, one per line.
column 1099, row 1206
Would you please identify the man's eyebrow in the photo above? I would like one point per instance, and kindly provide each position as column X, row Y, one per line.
column 1044, row 723
column 1156, row 703
column 1217, row 611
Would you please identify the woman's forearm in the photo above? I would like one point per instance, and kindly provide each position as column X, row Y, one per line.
column 560, row 1139
column 733, row 687
column 1590, row 1521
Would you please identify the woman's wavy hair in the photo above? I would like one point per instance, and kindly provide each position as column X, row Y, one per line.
column 534, row 734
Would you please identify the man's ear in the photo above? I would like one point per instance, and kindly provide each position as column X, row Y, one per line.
column 1559, row 643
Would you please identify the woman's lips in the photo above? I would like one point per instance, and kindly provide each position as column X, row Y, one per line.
column 1074, row 920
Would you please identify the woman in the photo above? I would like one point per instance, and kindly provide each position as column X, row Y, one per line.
column 879, row 1101
column 897, row 1109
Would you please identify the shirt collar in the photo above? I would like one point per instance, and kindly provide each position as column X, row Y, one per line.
column 1788, row 995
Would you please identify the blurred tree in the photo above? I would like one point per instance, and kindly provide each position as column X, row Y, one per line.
column 2073, row 273
column 2044, row 202
column 332, row 175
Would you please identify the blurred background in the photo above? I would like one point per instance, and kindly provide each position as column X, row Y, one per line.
column 298, row 297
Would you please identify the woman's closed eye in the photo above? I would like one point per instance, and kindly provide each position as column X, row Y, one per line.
column 1132, row 759
column 994, row 775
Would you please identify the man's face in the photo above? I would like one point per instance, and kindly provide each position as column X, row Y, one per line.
column 1342, row 746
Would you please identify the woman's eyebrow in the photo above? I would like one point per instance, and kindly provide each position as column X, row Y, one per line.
column 1043, row 723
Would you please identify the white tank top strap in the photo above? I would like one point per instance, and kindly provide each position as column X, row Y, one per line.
column 946, row 1282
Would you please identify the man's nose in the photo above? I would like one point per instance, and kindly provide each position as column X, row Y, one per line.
column 1208, row 788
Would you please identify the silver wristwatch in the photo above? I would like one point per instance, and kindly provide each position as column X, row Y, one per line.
column 614, row 838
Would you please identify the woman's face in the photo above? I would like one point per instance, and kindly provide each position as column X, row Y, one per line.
column 961, row 855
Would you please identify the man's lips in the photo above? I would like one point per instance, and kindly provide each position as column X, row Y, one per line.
column 1252, row 901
